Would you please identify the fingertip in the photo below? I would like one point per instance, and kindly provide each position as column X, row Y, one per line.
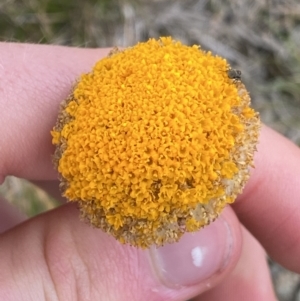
column 200, row 260
column 250, row 280
column 268, row 207
column 102, row 266
column 35, row 79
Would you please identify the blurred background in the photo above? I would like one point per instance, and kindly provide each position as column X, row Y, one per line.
column 259, row 37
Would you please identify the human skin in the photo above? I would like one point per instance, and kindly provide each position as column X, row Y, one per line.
column 55, row 256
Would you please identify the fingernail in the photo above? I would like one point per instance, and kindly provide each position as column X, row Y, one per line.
column 196, row 257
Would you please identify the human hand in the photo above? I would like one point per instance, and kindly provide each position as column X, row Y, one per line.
column 55, row 256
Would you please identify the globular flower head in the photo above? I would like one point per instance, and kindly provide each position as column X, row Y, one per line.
column 155, row 141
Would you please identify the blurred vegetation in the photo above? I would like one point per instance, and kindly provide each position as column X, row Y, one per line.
column 30, row 199
column 260, row 37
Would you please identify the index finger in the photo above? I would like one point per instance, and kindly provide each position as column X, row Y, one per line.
column 34, row 81
column 269, row 206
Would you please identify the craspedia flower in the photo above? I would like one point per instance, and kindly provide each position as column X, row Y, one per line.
column 155, row 141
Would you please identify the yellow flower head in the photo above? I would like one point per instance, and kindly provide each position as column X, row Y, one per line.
column 155, row 141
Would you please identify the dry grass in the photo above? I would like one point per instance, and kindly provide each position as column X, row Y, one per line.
column 261, row 38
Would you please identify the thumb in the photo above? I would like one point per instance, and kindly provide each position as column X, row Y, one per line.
column 54, row 256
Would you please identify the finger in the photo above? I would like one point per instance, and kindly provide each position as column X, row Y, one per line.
column 250, row 279
column 269, row 205
column 34, row 80
column 10, row 216
column 55, row 256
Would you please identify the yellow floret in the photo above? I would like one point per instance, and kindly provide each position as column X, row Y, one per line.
column 155, row 141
